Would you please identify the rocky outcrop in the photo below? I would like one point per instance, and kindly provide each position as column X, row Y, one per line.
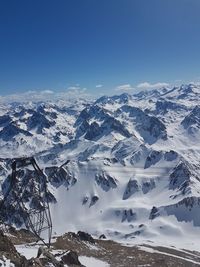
column 8, row 251
column 45, row 258
column 39, row 121
column 71, row 258
column 192, row 121
column 164, row 106
column 154, row 213
column 94, row 131
column 148, row 185
column 60, row 176
column 186, row 210
column 123, row 98
column 94, row 200
column 85, row 237
column 180, row 177
column 153, row 158
column 131, row 188
column 128, row 215
column 5, row 119
column 149, row 127
column 170, row 155
column 95, row 122
column 12, row 130
column 105, row 181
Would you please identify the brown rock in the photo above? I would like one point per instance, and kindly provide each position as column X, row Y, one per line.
column 71, row 258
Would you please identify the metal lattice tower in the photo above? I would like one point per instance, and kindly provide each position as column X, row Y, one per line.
column 28, row 197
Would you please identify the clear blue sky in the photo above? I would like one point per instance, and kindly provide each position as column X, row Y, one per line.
column 53, row 44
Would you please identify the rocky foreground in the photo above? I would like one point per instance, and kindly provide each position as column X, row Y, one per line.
column 20, row 249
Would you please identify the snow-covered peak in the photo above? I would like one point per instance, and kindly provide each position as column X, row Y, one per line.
column 128, row 164
column 121, row 99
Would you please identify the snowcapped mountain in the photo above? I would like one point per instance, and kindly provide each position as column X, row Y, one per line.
column 28, row 129
column 126, row 166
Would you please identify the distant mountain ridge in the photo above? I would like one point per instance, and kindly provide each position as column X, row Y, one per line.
column 134, row 161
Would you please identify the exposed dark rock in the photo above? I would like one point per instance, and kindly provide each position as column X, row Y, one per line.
column 82, row 129
column 102, row 236
column 163, row 107
column 111, row 124
column 149, row 127
column 94, row 199
column 106, row 181
column 126, row 147
column 60, row 176
column 6, row 245
column 137, row 155
column 5, row 119
column 153, row 158
column 192, row 119
column 8, row 250
column 132, row 187
column 154, row 213
column 12, row 130
column 39, row 121
column 85, row 237
column 34, row 263
column 180, row 178
column 141, row 225
column 123, row 98
column 137, row 232
column 185, row 209
column 85, row 200
column 170, row 155
column 148, row 186
column 189, row 202
column 46, row 258
column 92, row 131
column 71, row 258
column 128, row 215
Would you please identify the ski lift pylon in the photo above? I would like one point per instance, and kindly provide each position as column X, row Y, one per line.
column 36, row 216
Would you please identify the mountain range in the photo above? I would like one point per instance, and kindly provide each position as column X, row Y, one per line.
column 126, row 166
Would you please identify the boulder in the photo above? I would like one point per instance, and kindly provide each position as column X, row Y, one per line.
column 71, row 258
column 85, row 237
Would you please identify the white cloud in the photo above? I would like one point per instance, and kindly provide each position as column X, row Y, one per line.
column 124, row 87
column 75, row 91
column 47, row 92
column 33, row 95
column 46, row 95
column 99, row 85
column 76, row 87
column 147, row 85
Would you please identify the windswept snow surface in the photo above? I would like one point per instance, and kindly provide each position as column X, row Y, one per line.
column 151, row 250
column 91, row 262
column 28, row 251
column 125, row 166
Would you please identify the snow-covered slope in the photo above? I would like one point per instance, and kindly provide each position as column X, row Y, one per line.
column 28, row 129
column 134, row 170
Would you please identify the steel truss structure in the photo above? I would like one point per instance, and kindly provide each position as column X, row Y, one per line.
column 28, row 197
